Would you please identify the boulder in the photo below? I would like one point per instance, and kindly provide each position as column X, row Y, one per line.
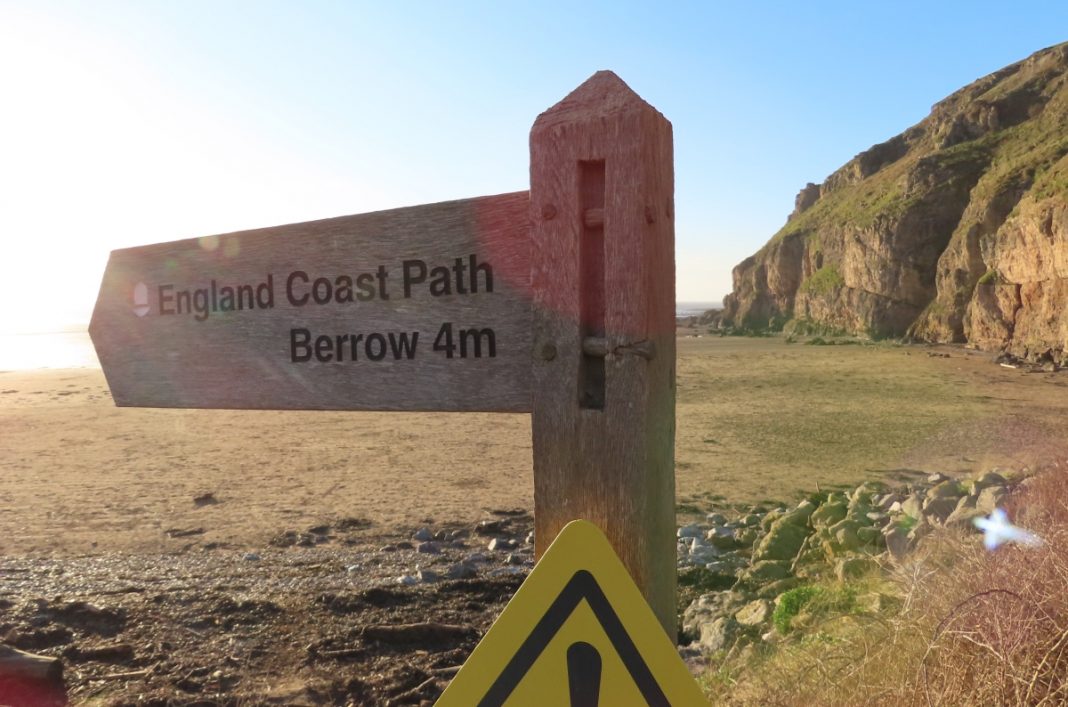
column 699, row 610
column 702, row 554
column 869, row 536
column 763, row 572
column 746, row 537
column 778, row 588
column 887, row 501
column 783, row 541
column 858, row 513
column 990, row 478
column 844, row 536
column 937, row 509
column 896, row 538
column 770, row 517
column 913, row 506
column 461, row 570
column 963, row 518
column 689, row 531
column 877, row 518
column 919, row 532
column 837, row 497
column 828, row 514
column 719, row 634
column 801, row 514
column 945, row 489
column 867, row 490
column 754, row 613
column 849, row 568
column 721, row 538
column 990, row 498
column 968, row 501
column 707, row 608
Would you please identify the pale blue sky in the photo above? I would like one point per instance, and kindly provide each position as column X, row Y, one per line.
column 126, row 123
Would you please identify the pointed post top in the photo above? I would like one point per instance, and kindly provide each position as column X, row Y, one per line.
column 601, row 95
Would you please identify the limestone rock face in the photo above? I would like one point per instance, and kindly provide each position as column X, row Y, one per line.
column 954, row 231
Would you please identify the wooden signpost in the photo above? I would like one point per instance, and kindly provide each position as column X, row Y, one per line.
column 558, row 302
column 603, row 279
column 422, row 308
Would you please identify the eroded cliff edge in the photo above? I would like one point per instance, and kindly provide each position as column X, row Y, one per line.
column 954, row 231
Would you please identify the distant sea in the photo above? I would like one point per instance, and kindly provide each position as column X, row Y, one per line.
column 68, row 348
column 692, row 309
column 71, row 348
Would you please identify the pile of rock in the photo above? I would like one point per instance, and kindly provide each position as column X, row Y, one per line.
column 847, row 534
column 1039, row 364
column 451, row 554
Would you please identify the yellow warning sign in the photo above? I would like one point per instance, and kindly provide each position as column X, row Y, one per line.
column 578, row 633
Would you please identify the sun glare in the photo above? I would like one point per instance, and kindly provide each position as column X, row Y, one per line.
column 107, row 150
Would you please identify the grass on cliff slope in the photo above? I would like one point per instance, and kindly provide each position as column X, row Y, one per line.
column 859, row 204
column 823, row 281
column 1012, row 158
column 761, row 420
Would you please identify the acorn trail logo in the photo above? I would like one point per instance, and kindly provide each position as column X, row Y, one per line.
column 140, row 299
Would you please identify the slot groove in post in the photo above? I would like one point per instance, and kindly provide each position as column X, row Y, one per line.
column 591, row 282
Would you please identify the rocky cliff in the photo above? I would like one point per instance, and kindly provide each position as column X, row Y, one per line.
column 954, row 231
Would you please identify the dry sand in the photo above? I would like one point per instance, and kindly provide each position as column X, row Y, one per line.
column 81, row 475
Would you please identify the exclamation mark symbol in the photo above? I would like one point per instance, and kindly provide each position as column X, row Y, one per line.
column 584, row 675
column 140, row 299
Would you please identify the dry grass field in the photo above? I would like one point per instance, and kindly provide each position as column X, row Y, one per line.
column 763, row 420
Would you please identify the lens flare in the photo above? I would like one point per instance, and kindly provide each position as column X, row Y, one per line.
column 997, row 530
column 232, row 247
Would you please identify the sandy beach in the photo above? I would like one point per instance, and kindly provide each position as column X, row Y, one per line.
column 757, row 419
column 82, row 475
column 177, row 556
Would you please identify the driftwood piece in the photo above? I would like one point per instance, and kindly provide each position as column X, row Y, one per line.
column 128, row 675
column 422, row 690
column 417, row 633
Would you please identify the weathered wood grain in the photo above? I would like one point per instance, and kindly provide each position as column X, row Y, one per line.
column 21, row 666
column 245, row 359
column 611, row 464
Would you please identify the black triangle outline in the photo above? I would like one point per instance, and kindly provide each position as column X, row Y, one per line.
column 582, row 585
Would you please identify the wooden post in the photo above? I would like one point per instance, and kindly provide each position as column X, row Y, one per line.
column 20, row 666
column 603, row 283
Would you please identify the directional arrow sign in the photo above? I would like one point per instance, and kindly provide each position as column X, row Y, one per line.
column 577, row 634
column 421, row 308
column 558, row 301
